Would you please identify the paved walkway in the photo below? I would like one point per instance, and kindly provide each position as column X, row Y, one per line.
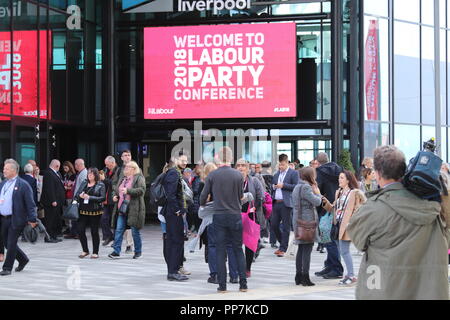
column 56, row 272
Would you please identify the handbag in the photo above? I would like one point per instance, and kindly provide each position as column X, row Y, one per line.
column 334, row 233
column 250, row 231
column 325, row 225
column 71, row 212
column 306, row 230
column 124, row 207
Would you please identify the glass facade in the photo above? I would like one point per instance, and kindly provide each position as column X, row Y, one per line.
column 51, row 77
column 399, row 39
column 61, row 84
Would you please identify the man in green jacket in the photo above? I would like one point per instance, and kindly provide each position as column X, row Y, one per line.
column 404, row 243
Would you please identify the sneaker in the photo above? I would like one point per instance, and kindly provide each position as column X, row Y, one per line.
column 213, row 279
column 265, row 240
column 221, row 289
column 323, row 272
column 137, row 255
column 183, row 271
column 234, row 280
column 332, row 275
column 274, row 246
column 348, row 281
column 107, row 242
column 243, row 287
column 128, row 250
column 114, row 255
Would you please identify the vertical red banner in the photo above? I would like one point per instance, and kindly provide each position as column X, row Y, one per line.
column 19, row 73
column 372, row 72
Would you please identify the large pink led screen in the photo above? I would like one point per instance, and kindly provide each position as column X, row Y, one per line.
column 221, row 71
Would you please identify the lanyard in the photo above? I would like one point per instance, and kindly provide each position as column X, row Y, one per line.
column 281, row 176
column 5, row 190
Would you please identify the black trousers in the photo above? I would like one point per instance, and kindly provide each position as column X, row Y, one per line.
column 303, row 259
column 2, row 244
column 10, row 237
column 174, row 242
column 249, row 254
column 53, row 220
column 281, row 213
column 94, row 223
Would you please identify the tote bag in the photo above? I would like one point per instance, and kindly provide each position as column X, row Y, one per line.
column 250, row 231
column 71, row 212
column 325, row 225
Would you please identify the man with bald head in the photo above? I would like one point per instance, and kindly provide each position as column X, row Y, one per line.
column 81, row 170
column 52, row 199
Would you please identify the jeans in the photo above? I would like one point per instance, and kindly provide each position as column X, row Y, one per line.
column 212, row 254
column 118, row 237
column 303, row 259
column 228, row 227
column 333, row 261
column 344, row 249
column 106, row 223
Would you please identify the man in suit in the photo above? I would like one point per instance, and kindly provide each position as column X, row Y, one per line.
column 29, row 177
column 17, row 208
column 52, row 199
column 80, row 167
column 283, row 183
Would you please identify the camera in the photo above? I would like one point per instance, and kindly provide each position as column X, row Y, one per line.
column 429, row 145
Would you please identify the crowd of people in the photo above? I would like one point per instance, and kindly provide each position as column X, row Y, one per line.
column 212, row 204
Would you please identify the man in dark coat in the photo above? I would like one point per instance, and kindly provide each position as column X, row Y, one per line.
column 327, row 180
column 28, row 177
column 52, row 199
column 17, row 208
column 173, row 211
column 111, row 179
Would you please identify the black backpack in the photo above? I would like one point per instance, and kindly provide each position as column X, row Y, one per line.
column 157, row 193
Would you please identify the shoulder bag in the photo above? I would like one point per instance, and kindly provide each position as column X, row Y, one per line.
column 71, row 212
column 306, row 230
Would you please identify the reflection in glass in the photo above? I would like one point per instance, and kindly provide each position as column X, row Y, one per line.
column 406, row 73
column 375, row 134
column 428, row 75
column 376, row 7
column 407, row 138
column 407, row 10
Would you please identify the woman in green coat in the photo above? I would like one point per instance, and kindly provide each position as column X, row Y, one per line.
column 129, row 208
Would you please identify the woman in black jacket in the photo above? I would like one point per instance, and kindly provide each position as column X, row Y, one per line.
column 90, row 197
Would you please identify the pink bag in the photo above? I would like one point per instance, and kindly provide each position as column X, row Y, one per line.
column 250, row 231
column 267, row 204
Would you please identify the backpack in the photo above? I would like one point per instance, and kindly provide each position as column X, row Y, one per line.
column 157, row 193
column 267, row 205
column 423, row 176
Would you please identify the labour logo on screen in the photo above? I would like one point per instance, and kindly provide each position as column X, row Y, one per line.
column 136, row 6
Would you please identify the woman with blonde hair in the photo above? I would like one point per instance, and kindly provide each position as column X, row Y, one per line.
column 129, row 209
